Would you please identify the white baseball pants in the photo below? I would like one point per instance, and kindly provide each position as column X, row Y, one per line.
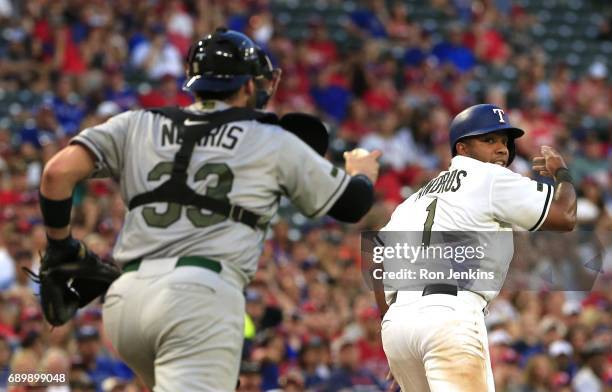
column 438, row 342
column 180, row 329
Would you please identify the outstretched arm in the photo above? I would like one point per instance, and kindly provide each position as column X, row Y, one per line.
column 358, row 197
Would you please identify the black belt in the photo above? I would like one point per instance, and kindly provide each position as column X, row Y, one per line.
column 185, row 261
column 440, row 288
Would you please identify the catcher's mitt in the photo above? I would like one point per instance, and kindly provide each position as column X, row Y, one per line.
column 70, row 277
column 309, row 128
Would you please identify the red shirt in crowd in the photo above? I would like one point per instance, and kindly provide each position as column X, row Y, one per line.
column 372, row 357
column 156, row 99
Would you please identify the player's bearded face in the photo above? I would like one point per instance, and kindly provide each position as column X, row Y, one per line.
column 490, row 147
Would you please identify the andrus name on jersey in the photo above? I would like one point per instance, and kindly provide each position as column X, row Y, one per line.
column 449, row 181
column 226, row 136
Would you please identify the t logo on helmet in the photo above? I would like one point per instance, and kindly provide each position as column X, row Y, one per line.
column 500, row 113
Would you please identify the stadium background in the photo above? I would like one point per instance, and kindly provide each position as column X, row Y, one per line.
column 386, row 75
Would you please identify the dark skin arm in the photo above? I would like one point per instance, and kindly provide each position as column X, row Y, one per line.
column 562, row 213
column 379, row 291
column 370, row 266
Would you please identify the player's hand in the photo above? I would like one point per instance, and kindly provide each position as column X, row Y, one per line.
column 550, row 161
column 360, row 161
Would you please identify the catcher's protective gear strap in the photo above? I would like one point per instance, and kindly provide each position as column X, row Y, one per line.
column 176, row 190
column 562, row 175
column 355, row 201
column 56, row 213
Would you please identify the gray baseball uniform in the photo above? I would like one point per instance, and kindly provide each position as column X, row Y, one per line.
column 247, row 163
column 250, row 163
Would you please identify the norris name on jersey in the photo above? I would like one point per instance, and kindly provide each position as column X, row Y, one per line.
column 225, row 137
column 449, row 181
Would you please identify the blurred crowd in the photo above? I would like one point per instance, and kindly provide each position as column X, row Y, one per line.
column 392, row 84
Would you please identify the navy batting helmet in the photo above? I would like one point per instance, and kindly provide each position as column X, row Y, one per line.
column 481, row 119
column 222, row 61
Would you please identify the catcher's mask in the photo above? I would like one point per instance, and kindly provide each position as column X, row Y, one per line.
column 267, row 81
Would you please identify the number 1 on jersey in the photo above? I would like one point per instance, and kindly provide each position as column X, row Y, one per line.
column 431, row 209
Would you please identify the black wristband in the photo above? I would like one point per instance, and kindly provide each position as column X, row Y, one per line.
column 364, row 178
column 56, row 213
column 60, row 244
column 63, row 250
column 562, row 175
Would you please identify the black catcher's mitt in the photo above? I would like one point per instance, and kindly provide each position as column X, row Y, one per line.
column 309, row 128
column 70, row 277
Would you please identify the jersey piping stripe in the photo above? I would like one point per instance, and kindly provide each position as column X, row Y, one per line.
column 330, row 197
column 90, row 145
column 545, row 210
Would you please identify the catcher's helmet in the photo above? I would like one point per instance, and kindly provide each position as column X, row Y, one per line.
column 222, row 61
column 481, row 119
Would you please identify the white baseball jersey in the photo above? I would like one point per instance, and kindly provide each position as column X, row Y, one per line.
column 478, row 197
column 249, row 163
